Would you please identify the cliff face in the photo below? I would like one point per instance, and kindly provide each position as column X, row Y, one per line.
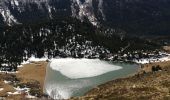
column 24, row 11
column 118, row 13
column 21, row 11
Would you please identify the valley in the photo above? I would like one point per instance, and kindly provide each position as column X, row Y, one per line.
column 89, row 42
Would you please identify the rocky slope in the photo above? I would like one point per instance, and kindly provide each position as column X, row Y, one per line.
column 78, row 28
column 64, row 37
column 134, row 16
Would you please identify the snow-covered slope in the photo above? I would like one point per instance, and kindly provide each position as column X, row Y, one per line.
column 20, row 11
column 122, row 13
column 86, row 9
column 16, row 11
column 8, row 18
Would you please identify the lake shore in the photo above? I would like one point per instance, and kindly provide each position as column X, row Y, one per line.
column 34, row 71
column 155, row 84
column 30, row 75
column 145, row 85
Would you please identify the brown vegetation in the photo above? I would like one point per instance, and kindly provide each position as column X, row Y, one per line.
column 33, row 72
column 167, row 48
column 31, row 75
column 142, row 86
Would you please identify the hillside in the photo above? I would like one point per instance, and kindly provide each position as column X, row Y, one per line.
column 152, row 85
column 64, row 37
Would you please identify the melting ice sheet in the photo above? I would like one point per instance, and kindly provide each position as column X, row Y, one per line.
column 82, row 68
column 69, row 77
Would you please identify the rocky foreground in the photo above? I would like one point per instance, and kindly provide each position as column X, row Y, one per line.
column 148, row 84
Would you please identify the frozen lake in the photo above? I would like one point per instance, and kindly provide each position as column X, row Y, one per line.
column 68, row 77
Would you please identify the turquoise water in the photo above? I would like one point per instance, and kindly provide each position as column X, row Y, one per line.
column 59, row 86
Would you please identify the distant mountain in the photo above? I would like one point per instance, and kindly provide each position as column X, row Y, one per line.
column 79, row 28
column 64, row 37
column 134, row 16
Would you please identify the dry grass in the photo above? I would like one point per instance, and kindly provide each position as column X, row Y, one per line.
column 167, row 48
column 6, row 87
column 35, row 71
column 151, row 85
column 148, row 67
column 16, row 97
column 29, row 73
column 147, row 86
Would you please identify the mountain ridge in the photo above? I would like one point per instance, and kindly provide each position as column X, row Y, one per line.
column 133, row 16
column 79, row 28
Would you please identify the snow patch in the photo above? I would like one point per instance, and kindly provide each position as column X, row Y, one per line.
column 20, row 91
column 152, row 60
column 7, row 82
column 33, row 59
column 30, row 96
column 1, row 89
column 9, row 72
column 13, row 93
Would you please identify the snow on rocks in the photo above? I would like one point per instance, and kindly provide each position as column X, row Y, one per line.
column 85, row 10
column 30, row 96
column 7, row 16
column 7, row 82
column 1, row 89
column 21, row 91
column 13, row 93
column 153, row 59
column 8, row 72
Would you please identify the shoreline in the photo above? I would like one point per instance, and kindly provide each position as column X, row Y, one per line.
column 30, row 82
column 152, row 85
column 38, row 70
